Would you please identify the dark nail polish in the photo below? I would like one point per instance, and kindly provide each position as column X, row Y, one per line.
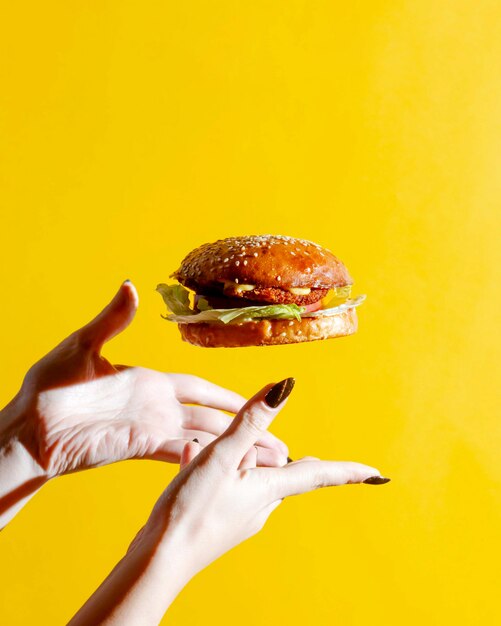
column 376, row 480
column 196, row 440
column 279, row 392
column 289, row 460
column 127, row 281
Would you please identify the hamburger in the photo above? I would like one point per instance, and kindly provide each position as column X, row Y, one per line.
column 260, row 290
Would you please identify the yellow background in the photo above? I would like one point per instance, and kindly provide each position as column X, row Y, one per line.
column 131, row 132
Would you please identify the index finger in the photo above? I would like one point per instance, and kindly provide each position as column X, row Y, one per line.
column 252, row 421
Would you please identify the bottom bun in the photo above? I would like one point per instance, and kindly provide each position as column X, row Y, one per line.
column 269, row 332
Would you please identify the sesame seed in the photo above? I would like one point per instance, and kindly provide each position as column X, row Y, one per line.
column 279, row 278
column 237, row 263
column 245, row 262
column 226, row 260
column 237, row 281
column 256, row 254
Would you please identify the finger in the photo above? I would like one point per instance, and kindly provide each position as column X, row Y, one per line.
column 168, row 451
column 195, row 390
column 303, row 476
column 171, row 450
column 251, row 422
column 216, row 422
column 204, row 418
column 304, row 459
column 250, row 459
column 204, row 439
column 268, row 457
column 112, row 320
column 190, row 451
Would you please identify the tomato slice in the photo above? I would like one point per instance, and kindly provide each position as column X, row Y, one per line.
column 315, row 306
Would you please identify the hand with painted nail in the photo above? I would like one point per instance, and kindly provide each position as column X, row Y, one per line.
column 76, row 410
column 219, row 499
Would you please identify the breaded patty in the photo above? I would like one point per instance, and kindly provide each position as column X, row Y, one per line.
column 269, row 295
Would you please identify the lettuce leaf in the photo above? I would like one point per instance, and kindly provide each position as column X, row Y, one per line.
column 203, row 305
column 176, row 297
column 245, row 314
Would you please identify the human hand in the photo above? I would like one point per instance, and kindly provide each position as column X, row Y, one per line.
column 220, row 498
column 76, row 410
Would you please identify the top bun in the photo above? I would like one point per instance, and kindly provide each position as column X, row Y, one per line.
column 264, row 261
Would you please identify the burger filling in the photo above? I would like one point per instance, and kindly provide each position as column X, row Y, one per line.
column 275, row 295
column 251, row 302
column 221, row 302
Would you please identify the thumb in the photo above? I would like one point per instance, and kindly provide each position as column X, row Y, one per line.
column 112, row 320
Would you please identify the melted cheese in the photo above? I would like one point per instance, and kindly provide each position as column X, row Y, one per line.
column 299, row 291
column 238, row 288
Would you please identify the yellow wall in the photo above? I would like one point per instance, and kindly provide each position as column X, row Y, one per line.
column 130, row 132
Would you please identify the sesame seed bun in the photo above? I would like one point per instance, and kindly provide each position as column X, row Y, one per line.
column 261, row 260
column 269, row 332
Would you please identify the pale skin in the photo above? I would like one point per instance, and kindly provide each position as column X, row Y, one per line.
column 219, row 499
column 75, row 410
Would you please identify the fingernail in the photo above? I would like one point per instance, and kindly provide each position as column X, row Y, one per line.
column 127, row 281
column 279, row 392
column 289, row 460
column 196, row 440
column 376, row 480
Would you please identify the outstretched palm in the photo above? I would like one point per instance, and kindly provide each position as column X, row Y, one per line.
column 83, row 411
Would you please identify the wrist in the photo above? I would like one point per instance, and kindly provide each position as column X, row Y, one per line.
column 20, row 473
column 141, row 587
column 169, row 551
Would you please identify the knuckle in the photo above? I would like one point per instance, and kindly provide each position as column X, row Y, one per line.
column 216, row 457
column 319, row 480
column 81, row 340
column 269, row 486
column 255, row 421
